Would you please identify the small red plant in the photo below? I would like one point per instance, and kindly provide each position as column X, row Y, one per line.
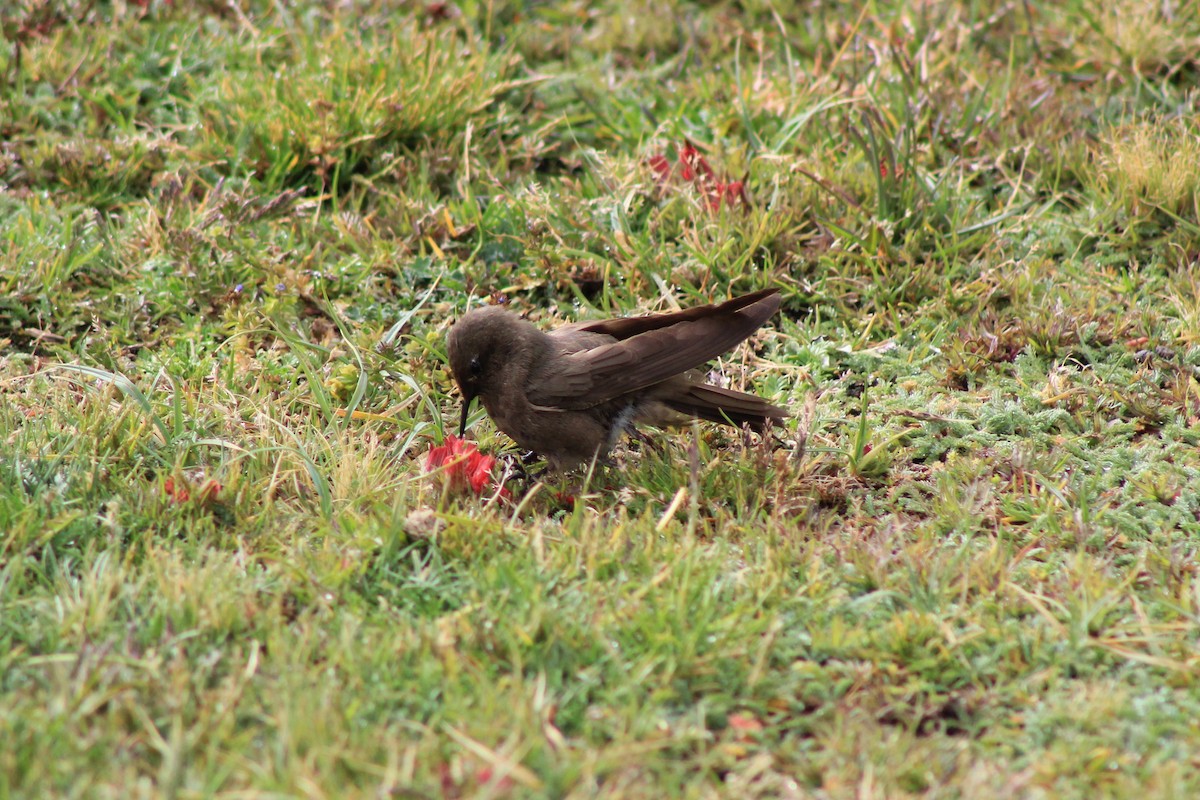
column 745, row 726
column 461, row 466
column 204, row 490
column 693, row 168
column 485, row 774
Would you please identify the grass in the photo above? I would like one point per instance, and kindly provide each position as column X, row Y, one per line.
column 232, row 239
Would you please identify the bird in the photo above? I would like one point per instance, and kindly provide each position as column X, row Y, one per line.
column 571, row 393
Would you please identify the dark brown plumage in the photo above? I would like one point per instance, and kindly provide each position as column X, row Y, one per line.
column 569, row 394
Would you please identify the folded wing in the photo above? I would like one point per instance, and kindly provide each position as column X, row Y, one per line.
column 647, row 350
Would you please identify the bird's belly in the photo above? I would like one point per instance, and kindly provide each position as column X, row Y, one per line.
column 565, row 438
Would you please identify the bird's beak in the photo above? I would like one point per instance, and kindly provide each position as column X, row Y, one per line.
column 466, row 412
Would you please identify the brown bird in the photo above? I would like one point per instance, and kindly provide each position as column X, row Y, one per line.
column 569, row 394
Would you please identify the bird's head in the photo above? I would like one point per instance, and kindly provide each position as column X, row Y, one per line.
column 482, row 345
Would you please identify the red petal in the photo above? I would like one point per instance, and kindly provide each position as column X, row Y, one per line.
column 179, row 495
column 696, row 169
column 744, row 722
column 450, row 449
column 479, row 471
column 661, row 167
column 436, row 457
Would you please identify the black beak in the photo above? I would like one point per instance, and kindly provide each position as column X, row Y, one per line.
column 466, row 411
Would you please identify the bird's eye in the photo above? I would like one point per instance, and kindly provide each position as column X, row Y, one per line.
column 475, row 367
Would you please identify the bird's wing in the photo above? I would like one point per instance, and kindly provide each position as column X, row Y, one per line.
column 626, row 327
column 646, row 350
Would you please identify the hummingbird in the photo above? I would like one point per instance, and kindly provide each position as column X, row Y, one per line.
column 571, row 393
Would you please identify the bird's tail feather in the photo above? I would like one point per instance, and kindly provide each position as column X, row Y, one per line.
column 714, row 404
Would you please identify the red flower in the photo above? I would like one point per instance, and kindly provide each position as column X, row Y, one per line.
column 179, row 495
column 746, row 725
column 732, row 193
column 661, row 166
column 485, row 774
column 462, row 466
column 206, row 490
column 693, row 168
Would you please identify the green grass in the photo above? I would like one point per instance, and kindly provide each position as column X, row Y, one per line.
column 232, row 239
